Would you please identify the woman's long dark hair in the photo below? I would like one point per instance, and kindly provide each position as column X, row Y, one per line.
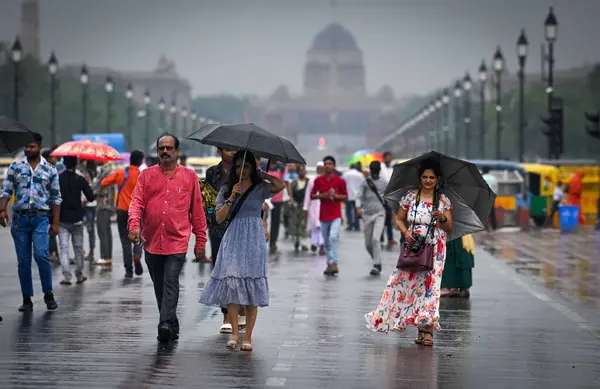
column 375, row 170
column 433, row 165
column 234, row 178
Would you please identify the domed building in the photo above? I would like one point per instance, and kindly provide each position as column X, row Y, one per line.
column 334, row 104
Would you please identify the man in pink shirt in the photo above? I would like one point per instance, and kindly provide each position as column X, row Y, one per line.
column 167, row 205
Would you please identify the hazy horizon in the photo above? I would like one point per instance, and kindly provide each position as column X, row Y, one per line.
column 241, row 48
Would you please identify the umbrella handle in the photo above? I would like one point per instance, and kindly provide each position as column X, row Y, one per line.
column 268, row 164
column 242, row 169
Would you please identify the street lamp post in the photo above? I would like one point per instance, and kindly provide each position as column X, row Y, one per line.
column 498, row 64
column 194, row 119
column 161, row 110
column 482, row 83
column 550, row 33
column 147, row 101
column 16, row 54
column 466, row 84
column 52, row 70
column 184, row 116
column 173, row 112
column 84, row 78
column 457, row 119
column 129, row 97
column 438, row 123
column 446, row 120
column 109, row 87
column 554, row 132
column 522, row 48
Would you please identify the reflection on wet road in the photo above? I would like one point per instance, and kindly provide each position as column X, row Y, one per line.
column 312, row 335
column 566, row 263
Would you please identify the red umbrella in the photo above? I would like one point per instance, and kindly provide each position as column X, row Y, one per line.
column 84, row 149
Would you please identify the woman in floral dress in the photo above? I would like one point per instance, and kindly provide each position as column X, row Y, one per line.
column 413, row 298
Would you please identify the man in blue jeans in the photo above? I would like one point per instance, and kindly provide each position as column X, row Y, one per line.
column 331, row 190
column 34, row 183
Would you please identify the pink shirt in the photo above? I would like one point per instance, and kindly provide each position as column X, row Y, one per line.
column 278, row 198
column 167, row 209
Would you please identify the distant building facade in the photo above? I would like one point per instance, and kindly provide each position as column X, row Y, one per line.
column 334, row 105
column 162, row 82
column 30, row 28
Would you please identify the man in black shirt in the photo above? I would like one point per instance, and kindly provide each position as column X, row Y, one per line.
column 216, row 176
column 72, row 185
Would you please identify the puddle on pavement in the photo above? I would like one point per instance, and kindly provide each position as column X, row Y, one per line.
column 566, row 263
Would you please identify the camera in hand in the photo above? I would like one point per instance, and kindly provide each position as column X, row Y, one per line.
column 417, row 244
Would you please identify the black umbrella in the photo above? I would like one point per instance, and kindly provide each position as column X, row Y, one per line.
column 13, row 135
column 248, row 137
column 471, row 197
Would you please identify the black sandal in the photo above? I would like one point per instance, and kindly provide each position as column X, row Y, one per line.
column 427, row 342
column 419, row 339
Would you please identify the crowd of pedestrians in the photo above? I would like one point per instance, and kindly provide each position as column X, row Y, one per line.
column 158, row 204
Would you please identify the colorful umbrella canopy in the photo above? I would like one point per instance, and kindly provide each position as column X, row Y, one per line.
column 84, row 149
column 365, row 157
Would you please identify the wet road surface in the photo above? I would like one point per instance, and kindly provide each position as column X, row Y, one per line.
column 512, row 333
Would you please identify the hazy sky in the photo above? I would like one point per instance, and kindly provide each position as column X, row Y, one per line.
column 244, row 47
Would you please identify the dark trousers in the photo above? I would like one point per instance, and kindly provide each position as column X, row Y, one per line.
column 553, row 210
column 53, row 248
column 493, row 220
column 105, row 233
column 130, row 250
column 275, row 223
column 388, row 226
column 53, row 245
column 164, row 271
column 90, row 225
column 215, row 243
column 352, row 216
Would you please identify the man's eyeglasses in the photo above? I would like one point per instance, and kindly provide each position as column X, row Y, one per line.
column 165, row 148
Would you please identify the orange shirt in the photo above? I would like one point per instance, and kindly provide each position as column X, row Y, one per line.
column 117, row 178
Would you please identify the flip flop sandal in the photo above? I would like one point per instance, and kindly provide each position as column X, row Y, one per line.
column 427, row 342
column 242, row 322
column 246, row 347
column 232, row 344
column 226, row 329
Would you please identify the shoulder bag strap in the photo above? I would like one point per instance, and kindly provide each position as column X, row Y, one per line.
column 239, row 203
column 371, row 185
column 122, row 184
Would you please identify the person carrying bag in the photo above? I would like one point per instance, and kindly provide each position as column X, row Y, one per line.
column 372, row 209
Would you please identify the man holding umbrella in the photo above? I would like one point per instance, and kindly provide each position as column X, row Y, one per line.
column 34, row 182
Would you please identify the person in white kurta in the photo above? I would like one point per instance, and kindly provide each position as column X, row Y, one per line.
column 313, row 209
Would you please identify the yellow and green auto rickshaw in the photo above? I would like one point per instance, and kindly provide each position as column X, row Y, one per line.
column 200, row 164
column 511, row 189
column 591, row 182
column 541, row 181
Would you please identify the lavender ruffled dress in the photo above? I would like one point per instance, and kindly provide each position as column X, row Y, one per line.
column 240, row 273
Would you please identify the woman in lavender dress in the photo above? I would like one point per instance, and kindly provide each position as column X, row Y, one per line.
column 239, row 278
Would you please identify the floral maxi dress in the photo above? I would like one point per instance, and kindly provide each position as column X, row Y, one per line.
column 413, row 298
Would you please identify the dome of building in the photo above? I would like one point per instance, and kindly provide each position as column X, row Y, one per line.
column 334, row 37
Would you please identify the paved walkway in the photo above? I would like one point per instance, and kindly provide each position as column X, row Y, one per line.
column 513, row 333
